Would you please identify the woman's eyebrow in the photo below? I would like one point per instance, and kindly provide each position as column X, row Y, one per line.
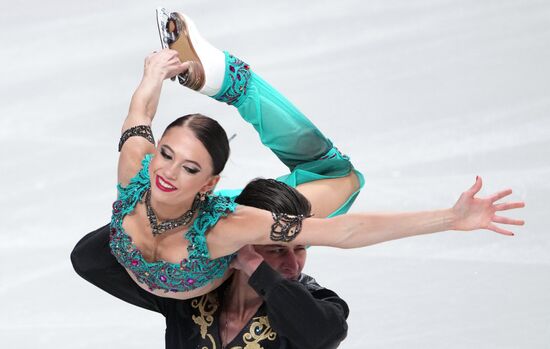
column 173, row 152
column 194, row 162
column 167, row 147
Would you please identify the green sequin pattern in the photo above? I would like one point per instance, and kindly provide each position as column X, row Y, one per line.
column 197, row 269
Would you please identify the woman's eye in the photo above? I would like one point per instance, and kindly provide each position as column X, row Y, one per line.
column 190, row 170
column 165, row 154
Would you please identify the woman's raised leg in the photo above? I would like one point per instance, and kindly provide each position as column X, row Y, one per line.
column 292, row 137
column 317, row 167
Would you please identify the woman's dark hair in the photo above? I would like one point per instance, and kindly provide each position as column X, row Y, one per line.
column 211, row 135
column 274, row 196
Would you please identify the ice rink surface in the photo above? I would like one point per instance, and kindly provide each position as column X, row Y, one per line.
column 423, row 95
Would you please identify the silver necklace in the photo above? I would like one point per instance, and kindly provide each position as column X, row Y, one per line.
column 159, row 228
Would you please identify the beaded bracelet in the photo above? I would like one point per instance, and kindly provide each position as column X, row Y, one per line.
column 285, row 227
column 140, row 130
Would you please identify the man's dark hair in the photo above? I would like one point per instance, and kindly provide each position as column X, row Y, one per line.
column 274, row 196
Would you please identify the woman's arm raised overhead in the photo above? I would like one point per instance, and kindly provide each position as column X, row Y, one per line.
column 158, row 67
column 253, row 226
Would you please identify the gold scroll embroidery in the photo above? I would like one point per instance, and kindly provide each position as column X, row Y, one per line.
column 258, row 331
column 207, row 305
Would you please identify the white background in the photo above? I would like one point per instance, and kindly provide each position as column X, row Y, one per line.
column 423, row 95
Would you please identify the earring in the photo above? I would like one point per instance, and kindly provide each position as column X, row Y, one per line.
column 198, row 201
column 205, row 195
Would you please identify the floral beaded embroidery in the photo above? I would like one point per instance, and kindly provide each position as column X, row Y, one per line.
column 193, row 272
column 285, row 227
column 239, row 74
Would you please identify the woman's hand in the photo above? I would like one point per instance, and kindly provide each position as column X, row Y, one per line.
column 158, row 67
column 164, row 64
column 480, row 213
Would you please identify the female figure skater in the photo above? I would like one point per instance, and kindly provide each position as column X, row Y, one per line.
column 167, row 228
column 267, row 303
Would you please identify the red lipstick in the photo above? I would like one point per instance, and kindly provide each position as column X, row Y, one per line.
column 164, row 187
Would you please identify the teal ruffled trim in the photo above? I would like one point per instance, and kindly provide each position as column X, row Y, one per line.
column 130, row 195
column 197, row 269
column 214, row 208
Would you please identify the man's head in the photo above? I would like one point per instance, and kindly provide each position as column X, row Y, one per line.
column 277, row 197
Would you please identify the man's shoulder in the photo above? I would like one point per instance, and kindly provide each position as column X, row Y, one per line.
column 322, row 293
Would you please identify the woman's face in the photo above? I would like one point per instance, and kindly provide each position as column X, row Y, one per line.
column 181, row 168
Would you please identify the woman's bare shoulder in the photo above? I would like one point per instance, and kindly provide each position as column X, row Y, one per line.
column 241, row 227
column 130, row 163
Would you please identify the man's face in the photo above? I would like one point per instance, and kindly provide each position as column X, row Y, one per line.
column 286, row 260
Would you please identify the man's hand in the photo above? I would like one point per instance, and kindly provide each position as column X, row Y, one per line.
column 247, row 260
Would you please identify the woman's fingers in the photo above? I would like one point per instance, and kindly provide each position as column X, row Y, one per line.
column 474, row 189
column 500, row 195
column 490, row 201
column 500, row 230
column 166, row 62
column 509, row 205
column 166, row 55
column 177, row 68
column 506, row 220
column 184, row 67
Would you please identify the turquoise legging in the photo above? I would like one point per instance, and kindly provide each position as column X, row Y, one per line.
column 293, row 138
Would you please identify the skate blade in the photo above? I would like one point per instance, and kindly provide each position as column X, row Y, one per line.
column 174, row 34
column 162, row 23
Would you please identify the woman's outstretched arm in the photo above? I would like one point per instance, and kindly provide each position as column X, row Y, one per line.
column 252, row 226
column 158, row 67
